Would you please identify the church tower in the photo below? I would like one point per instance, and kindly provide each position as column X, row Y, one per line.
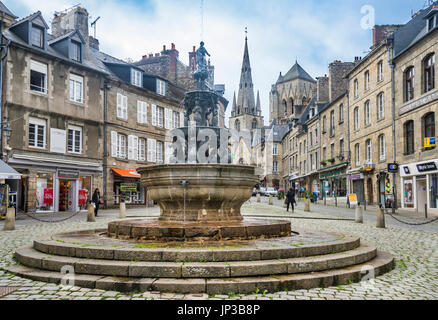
column 246, row 114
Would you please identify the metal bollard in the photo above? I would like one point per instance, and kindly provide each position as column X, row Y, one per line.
column 122, row 213
column 271, row 200
column 380, row 218
column 259, row 199
column 90, row 214
column 359, row 214
column 10, row 220
column 425, row 210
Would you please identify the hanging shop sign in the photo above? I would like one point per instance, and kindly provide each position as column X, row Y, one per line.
column 429, row 142
column 393, row 168
column 426, row 167
column 128, row 187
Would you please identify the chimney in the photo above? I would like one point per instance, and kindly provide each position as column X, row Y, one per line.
column 75, row 19
column 192, row 59
column 151, row 55
column 380, row 33
column 322, row 89
column 173, row 46
column 164, row 47
column 173, row 54
column 157, row 55
column 337, row 83
column 94, row 43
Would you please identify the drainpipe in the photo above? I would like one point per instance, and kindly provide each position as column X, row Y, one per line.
column 389, row 44
column 105, row 148
column 4, row 53
column 348, row 143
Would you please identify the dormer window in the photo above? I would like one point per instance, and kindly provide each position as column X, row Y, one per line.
column 161, row 87
column 431, row 23
column 136, row 78
column 37, row 36
column 76, row 51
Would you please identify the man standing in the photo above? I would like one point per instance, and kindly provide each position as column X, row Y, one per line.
column 290, row 199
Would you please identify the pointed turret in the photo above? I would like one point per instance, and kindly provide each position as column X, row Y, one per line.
column 234, row 110
column 258, row 105
column 245, row 97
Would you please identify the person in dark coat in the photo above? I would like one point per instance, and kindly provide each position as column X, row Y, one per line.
column 96, row 200
column 290, row 199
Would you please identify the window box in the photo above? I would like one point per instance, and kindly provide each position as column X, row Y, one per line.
column 331, row 160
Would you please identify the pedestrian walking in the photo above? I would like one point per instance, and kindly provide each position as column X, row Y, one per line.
column 291, row 199
column 96, row 200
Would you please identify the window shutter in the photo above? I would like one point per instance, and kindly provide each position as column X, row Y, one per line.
column 130, row 148
column 114, row 144
column 139, row 112
column 154, row 115
column 154, row 150
column 119, row 105
column 166, row 119
column 135, row 147
column 168, row 151
column 149, row 159
column 181, row 119
column 125, row 107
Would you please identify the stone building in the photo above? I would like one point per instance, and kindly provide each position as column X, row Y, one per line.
column 414, row 47
column 54, row 104
column 370, row 125
column 89, row 120
column 291, row 94
column 246, row 114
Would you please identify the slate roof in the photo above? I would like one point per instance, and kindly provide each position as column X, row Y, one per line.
column 412, row 32
column 28, row 18
column 4, row 9
column 296, row 72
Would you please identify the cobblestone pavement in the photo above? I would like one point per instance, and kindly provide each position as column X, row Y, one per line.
column 414, row 278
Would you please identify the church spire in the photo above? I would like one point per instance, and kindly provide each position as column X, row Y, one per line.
column 245, row 98
column 258, row 105
column 234, row 110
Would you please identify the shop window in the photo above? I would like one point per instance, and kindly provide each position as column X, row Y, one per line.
column 85, row 192
column 408, row 193
column 433, row 196
column 429, row 127
column 44, row 192
column 429, row 73
column 409, row 137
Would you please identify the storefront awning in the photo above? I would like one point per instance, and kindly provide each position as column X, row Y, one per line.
column 7, row 172
column 127, row 173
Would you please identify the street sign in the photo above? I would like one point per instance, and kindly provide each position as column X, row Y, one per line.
column 393, row 167
column 429, row 142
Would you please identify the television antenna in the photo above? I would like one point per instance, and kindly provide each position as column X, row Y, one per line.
column 93, row 25
column 66, row 10
column 202, row 20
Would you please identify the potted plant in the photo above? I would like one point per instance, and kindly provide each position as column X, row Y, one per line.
column 331, row 160
column 280, row 194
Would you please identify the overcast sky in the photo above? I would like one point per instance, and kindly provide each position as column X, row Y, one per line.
column 315, row 32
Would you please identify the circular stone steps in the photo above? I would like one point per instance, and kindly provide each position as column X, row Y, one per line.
column 381, row 264
column 308, row 260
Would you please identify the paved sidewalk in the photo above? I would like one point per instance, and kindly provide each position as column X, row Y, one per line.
column 415, row 276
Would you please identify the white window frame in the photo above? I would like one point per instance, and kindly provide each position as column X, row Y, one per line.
column 367, row 80
column 275, row 149
column 382, row 147
column 380, row 71
column 122, row 106
column 275, row 167
column 159, row 152
column 159, row 117
column 369, row 151
column 356, row 119
column 142, row 110
column 356, row 88
column 161, row 87
column 132, row 147
column 357, row 154
column 136, row 78
column 121, row 146
column 175, row 119
column 40, row 68
column 151, row 150
column 142, row 149
column 38, row 123
column 367, row 113
column 76, row 94
column 381, row 105
column 74, row 129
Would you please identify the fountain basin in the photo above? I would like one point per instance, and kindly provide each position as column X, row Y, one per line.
column 215, row 192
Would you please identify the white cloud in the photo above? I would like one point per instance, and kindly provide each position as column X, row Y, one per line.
column 279, row 32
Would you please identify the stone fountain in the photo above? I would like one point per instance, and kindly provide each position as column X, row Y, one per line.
column 200, row 243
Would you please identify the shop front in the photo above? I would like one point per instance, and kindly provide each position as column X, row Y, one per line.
column 357, row 182
column 334, row 180
column 419, row 183
column 128, row 187
column 55, row 187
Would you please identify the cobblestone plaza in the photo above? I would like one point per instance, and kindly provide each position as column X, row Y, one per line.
column 414, row 248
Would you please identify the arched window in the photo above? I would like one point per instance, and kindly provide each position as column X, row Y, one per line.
column 368, row 151
column 409, row 83
column 292, row 105
column 285, row 107
column 254, row 124
column 409, row 137
column 356, row 88
column 382, row 147
column 357, row 154
column 380, row 71
column 356, row 119
column 367, row 113
column 381, row 106
column 304, row 101
column 367, row 80
column 429, row 126
column 341, row 113
column 237, row 125
column 429, row 72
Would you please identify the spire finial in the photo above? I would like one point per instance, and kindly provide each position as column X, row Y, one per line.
column 246, row 33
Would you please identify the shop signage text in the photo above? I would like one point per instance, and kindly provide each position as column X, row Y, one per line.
column 425, row 167
column 68, row 174
column 128, row 187
column 355, row 177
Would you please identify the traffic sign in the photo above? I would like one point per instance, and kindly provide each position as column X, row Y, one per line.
column 393, row 167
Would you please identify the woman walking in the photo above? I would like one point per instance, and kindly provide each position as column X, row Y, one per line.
column 96, row 200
